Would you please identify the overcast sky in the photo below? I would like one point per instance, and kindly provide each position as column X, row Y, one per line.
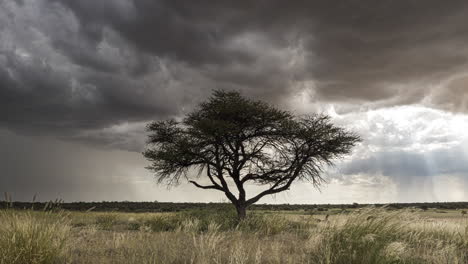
column 80, row 79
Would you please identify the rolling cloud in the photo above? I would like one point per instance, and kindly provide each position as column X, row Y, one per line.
column 92, row 73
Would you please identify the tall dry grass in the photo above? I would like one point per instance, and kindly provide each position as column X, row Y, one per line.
column 33, row 237
column 365, row 236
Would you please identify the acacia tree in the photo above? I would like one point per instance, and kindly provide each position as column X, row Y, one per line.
column 233, row 141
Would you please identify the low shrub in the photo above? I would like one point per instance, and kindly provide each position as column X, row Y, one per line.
column 264, row 224
column 223, row 216
column 106, row 221
column 134, row 226
column 163, row 223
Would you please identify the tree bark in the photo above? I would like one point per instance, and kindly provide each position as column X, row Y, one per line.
column 241, row 211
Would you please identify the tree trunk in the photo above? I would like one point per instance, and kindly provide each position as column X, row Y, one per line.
column 241, row 211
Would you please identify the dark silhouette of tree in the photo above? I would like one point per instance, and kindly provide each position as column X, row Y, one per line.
column 234, row 141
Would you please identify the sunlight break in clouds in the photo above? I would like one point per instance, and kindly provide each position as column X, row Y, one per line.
column 89, row 75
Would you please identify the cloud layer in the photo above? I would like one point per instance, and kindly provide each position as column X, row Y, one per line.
column 95, row 72
column 82, row 64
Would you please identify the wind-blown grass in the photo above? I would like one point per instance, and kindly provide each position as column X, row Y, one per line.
column 380, row 236
column 32, row 237
column 363, row 236
column 370, row 236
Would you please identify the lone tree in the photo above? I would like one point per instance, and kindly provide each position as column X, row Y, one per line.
column 234, row 141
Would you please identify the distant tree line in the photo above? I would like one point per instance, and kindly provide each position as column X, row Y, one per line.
column 176, row 207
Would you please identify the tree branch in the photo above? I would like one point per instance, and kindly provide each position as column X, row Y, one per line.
column 206, row 186
column 208, row 173
column 271, row 190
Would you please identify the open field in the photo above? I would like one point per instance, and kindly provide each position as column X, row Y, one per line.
column 364, row 235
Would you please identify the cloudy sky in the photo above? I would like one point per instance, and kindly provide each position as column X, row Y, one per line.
column 80, row 79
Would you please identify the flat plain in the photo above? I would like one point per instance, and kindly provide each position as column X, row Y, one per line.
column 364, row 235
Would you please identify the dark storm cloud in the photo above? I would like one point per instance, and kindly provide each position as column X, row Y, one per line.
column 68, row 66
column 55, row 78
column 452, row 96
column 34, row 94
column 368, row 50
column 98, row 71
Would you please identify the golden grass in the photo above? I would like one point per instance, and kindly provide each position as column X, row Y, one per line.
column 32, row 237
column 363, row 236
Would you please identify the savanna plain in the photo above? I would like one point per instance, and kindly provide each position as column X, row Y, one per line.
column 362, row 235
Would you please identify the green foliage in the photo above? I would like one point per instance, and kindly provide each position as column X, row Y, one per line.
column 231, row 137
column 264, row 224
column 134, row 226
column 225, row 219
column 32, row 237
column 163, row 223
column 223, row 216
column 106, row 221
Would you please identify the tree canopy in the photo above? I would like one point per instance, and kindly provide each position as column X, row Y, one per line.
column 232, row 141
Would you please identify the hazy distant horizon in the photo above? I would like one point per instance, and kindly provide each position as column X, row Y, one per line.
column 38, row 200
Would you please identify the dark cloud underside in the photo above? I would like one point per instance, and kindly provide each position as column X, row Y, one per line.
column 87, row 64
column 98, row 71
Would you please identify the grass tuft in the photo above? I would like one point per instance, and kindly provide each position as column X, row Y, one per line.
column 364, row 236
column 32, row 237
